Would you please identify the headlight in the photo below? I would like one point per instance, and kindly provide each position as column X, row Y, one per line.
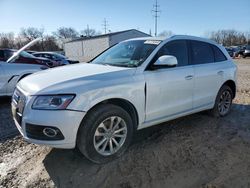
column 52, row 102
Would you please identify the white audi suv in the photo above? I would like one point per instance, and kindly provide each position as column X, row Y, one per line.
column 97, row 106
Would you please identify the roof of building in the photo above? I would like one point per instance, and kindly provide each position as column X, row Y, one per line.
column 104, row 35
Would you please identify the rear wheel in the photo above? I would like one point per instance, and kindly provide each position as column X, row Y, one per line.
column 105, row 133
column 223, row 102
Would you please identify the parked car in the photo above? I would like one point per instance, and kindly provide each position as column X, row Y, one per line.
column 230, row 52
column 246, row 53
column 60, row 59
column 26, row 58
column 239, row 52
column 98, row 106
column 11, row 73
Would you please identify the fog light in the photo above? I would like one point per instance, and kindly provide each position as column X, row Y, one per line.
column 49, row 132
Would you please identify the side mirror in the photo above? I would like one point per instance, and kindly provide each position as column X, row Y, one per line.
column 166, row 61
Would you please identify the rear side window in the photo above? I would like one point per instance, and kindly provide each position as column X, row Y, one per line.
column 46, row 56
column 201, row 52
column 177, row 48
column 38, row 55
column 218, row 55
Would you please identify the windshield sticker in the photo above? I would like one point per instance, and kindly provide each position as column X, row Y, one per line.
column 156, row 42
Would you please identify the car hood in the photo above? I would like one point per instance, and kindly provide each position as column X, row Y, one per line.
column 21, row 66
column 69, row 78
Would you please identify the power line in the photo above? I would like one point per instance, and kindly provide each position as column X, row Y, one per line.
column 105, row 25
column 156, row 12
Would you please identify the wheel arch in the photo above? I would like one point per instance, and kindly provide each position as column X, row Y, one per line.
column 123, row 103
column 232, row 85
column 24, row 75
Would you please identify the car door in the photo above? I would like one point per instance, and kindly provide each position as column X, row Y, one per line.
column 208, row 74
column 169, row 90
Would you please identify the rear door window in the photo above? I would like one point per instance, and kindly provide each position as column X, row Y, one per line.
column 201, row 53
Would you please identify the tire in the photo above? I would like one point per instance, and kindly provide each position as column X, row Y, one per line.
column 92, row 132
column 219, row 104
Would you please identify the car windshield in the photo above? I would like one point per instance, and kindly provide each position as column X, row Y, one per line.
column 26, row 54
column 248, row 47
column 127, row 54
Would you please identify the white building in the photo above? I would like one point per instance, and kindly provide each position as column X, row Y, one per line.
column 86, row 48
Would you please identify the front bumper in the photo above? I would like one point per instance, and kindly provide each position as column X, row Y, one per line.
column 67, row 121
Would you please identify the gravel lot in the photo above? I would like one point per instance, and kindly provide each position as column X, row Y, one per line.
column 194, row 151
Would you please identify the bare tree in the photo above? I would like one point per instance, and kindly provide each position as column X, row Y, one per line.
column 20, row 42
column 247, row 35
column 7, row 40
column 88, row 32
column 50, row 43
column 165, row 34
column 31, row 33
column 66, row 33
column 228, row 37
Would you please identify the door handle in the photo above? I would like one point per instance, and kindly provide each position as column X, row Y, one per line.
column 189, row 77
column 220, row 72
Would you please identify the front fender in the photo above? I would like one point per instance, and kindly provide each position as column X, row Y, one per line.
column 13, row 80
column 134, row 95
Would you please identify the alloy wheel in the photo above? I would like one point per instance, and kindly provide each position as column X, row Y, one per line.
column 224, row 102
column 110, row 135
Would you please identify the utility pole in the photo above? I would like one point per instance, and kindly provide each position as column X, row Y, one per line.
column 248, row 37
column 105, row 25
column 156, row 12
column 87, row 30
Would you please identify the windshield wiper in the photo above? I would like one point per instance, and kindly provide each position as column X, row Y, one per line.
column 122, row 65
column 116, row 64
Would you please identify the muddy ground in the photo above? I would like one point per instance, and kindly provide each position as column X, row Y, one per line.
column 194, row 151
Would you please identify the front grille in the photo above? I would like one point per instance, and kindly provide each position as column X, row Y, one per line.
column 19, row 100
column 15, row 96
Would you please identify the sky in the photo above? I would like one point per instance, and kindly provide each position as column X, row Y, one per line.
column 192, row 17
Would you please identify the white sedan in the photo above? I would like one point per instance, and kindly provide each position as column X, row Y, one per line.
column 11, row 73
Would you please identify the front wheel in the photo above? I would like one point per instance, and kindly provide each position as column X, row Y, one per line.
column 105, row 133
column 223, row 102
